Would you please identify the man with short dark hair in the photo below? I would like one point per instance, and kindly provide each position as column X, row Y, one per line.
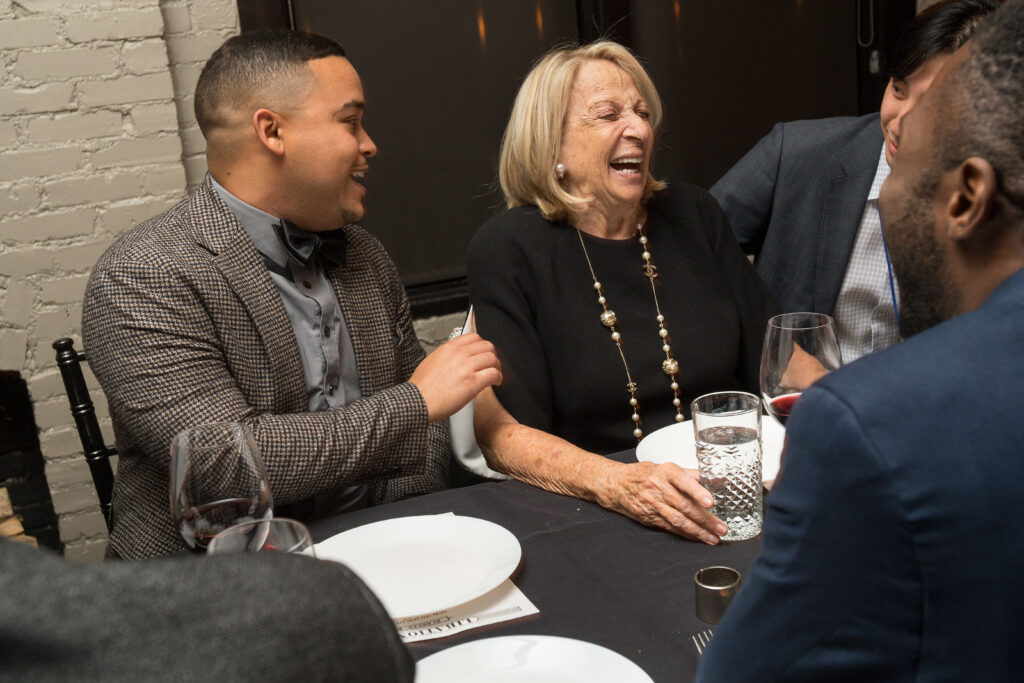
column 804, row 200
column 893, row 538
column 257, row 299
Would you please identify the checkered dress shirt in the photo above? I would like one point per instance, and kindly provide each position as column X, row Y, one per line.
column 865, row 314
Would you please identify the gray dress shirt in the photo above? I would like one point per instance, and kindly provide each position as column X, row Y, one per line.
column 325, row 346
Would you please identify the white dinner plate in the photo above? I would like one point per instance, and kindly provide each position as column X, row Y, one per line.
column 675, row 444
column 537, row 659
column 419, row 565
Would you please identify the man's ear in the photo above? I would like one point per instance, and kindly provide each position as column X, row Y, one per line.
column 268, row 129
column 971, row 200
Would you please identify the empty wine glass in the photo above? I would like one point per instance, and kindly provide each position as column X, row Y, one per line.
column 264, row 535
column 798, row 349
column 217, row 480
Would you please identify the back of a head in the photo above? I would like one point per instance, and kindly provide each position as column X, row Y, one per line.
column 983, row 98
column 266, row 617
column 256, row 69
column 940, row 29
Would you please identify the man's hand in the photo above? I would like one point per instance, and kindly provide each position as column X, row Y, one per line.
column 454, row 373
column 665, row 496
column 803, row 370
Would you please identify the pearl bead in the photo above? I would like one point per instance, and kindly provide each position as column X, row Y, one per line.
column 638, row 432
column 636, row 417
column 660, row 318
column 597, row 286
column 646, row 256
column 633, row 401
column 643, row 239
column 676, row 402
column 663, row 333
column 601, row 300
column 616, row 337
column 666, row 348
column 675, row 386
column 680, row 418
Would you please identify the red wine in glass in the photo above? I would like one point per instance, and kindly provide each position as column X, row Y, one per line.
column 217, row 479
column 799, row 348
column 201, row 523
column 276, row 534
column 782, row 406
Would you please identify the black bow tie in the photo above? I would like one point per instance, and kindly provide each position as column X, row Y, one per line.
column 305, row 245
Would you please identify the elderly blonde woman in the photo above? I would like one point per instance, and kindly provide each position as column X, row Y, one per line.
column 614, row 298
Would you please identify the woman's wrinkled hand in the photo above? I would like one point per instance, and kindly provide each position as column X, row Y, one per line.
column 665, row 496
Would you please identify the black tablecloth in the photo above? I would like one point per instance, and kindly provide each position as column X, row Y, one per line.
column 594, row 575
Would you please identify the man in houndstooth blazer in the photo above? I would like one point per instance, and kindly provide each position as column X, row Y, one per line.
column 184, row 325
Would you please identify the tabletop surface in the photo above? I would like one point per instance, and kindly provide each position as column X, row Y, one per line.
column 593, row 574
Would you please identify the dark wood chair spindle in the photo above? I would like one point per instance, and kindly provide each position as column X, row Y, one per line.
column 97, row 453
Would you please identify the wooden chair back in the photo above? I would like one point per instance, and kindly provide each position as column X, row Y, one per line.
column 97, row 453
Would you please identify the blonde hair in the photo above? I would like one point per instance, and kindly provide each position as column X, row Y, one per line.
column 533, row 137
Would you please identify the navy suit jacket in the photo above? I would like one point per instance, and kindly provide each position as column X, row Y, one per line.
column 893, row 542
column 795, row 201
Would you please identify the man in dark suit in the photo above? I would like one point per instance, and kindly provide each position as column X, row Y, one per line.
column 223, row 309
column 266, row 617
column 804, row 199
column 893, row 539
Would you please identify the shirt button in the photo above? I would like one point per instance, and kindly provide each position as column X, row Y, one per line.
column 305, row 283
column 330, row 390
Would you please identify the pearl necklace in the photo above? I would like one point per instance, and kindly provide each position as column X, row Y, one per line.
column 670, row 366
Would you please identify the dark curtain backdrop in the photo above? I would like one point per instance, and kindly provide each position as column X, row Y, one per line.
column 440, row 78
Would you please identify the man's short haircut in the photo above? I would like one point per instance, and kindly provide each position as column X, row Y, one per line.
column 254, row 69
column 986, row 116
column 533, row 137
column 940, row 29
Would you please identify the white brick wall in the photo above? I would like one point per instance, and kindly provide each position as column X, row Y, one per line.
column 124, row 24
column 48, row 98
column 95, row 104
column 193, row 30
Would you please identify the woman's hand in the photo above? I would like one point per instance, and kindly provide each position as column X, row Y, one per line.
column 664, row 496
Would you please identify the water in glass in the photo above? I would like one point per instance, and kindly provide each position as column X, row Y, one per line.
column 730, row 466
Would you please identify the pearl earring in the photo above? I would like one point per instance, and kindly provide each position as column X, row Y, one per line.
column 560, row 170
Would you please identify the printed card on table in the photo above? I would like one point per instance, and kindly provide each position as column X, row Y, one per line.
column 504, row 603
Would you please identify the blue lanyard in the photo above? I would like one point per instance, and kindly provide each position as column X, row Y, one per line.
column 892, row 280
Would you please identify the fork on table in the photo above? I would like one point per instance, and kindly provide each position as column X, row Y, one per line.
column 701, row 640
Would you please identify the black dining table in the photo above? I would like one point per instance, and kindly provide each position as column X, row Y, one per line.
column 594, row 575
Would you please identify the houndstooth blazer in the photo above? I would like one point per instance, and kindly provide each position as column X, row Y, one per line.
column 183, row 326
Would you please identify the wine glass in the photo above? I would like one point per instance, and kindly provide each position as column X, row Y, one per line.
column 217, row 480
column 263, row 535
column 798, row 349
